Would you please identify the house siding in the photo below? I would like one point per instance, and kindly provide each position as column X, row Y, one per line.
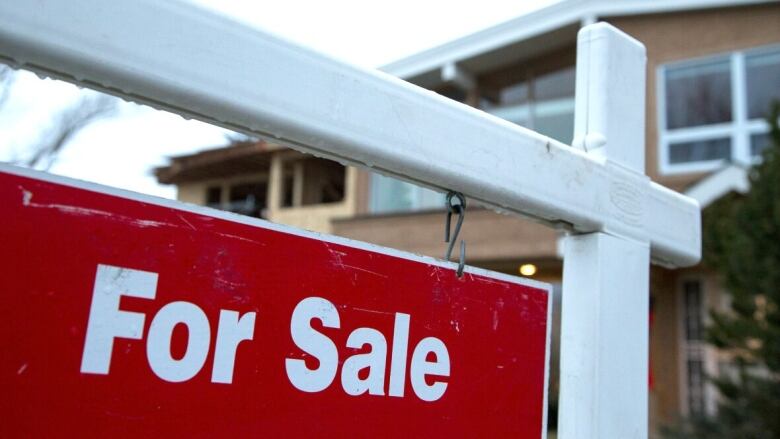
column 693, row 34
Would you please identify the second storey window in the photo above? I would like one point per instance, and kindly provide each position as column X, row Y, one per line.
column 543, row 103
column 712, row 111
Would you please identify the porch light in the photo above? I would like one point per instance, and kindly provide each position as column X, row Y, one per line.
column 528, row 269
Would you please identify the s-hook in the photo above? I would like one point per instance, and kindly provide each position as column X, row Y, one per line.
column 460, row 209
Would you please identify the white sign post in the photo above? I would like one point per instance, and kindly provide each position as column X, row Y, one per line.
column 604, row 321
column 218, row 71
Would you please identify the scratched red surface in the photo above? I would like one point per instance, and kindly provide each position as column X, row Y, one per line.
column 53, row 236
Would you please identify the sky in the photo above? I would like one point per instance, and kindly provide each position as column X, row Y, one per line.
column 122, row 150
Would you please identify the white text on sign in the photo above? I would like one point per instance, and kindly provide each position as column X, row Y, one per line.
column 107, row 322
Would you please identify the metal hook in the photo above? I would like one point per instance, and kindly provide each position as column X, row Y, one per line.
column 460, row 209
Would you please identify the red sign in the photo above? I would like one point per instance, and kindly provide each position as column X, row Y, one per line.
column 131, row 316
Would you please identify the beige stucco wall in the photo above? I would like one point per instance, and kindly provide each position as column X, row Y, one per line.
column 319, row 217
column 194, row 193
column 685, row 35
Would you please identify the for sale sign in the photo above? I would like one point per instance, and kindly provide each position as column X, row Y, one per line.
column 131, row 316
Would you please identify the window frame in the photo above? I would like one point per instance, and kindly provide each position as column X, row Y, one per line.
column 226, row 183
column 738, row 130
column 698, row 350
column 531, row 105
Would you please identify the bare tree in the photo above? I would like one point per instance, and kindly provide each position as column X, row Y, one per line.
column 234, row 138
column 6, row 81
column 66, row 125
column 44, row 151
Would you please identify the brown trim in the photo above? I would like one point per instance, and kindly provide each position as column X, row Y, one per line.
column 524, row 70
column 217, row 162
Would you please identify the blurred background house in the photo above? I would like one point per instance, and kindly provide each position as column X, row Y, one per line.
column 713, row 69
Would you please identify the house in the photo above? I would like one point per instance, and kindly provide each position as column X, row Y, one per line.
column 713, row 68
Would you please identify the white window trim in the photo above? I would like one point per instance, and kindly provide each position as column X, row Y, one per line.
column 739, row 129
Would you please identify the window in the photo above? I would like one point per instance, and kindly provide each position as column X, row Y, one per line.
column 700, row 150
column 698, row 94
column 712, row 111
column 694, row 353
column 763, row 81
column 452, row 92
column 248, row 198
column 392, row 195
column 245, row 197
column 694, row 330
column 312, row 181
column 544, row 103
column 758, row 143
column 214, row 197
column 698, row 396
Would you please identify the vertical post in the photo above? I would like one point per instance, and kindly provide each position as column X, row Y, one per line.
column 298, row 176
column 275, row 183
column 604, row 322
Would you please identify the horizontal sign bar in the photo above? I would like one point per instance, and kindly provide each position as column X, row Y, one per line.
column 175, row 56
column 124, row 315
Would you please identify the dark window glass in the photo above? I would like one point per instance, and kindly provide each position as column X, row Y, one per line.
column 288, row 184
column 698, row 94
column 696, row 386
column 700, row 150
column 763, row 82
column 287, row 191
column 758, row 143
column 248, row 198
column 454, row 93
column 214, row 196
column 323, row 182
column 693, row 311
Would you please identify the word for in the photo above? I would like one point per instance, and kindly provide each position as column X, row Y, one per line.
column 107, row 323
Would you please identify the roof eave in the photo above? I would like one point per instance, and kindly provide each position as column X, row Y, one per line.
column 542, row 21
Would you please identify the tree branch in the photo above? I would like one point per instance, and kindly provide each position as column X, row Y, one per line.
column 66, row 125
column 6, row 81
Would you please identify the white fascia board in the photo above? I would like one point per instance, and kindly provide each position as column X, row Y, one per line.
column 177, row 57
column 524, row 27
column 548, row 19
column 639, row 7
